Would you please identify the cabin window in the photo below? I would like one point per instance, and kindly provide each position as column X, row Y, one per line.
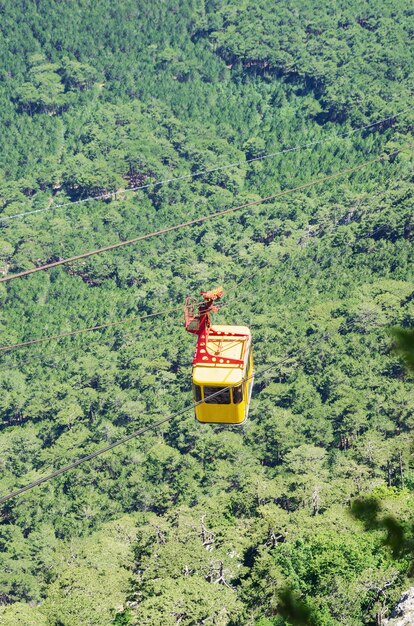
column 197, row 393
column 221, row 398
column 238, row 394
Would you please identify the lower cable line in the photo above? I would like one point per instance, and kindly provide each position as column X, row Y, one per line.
column 155, row 425
column 127, row 438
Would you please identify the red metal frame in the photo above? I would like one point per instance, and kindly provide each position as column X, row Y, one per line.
column 198, row 323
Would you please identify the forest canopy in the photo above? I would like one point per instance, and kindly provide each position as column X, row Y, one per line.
column 121, row 119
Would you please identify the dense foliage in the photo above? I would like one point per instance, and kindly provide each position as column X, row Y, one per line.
column 189, row 524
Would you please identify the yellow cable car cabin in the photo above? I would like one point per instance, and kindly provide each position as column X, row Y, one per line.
column 222, row 365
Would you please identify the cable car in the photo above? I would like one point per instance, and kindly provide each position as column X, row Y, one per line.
column 222, row 364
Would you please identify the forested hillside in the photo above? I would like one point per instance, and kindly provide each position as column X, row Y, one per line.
column 121, row 119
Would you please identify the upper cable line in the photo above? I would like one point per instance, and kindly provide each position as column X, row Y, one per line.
column 200, row 220
column 154, row 184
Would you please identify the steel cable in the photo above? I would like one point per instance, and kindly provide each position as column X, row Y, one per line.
column 198, row 220
column 306, row 146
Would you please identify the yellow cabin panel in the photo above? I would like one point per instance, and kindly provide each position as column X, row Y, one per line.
column 232, row 405
column 221, row 413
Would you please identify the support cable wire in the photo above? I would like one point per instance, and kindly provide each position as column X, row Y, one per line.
column 200, row 220
column 133, row 435
column 9, row 348
column 306, row 146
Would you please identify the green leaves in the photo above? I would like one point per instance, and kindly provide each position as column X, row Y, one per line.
column 368, row 511
column 331, row 54
column 45, row 90
column 294, row 609
column 228, row 526
column 404, row 340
